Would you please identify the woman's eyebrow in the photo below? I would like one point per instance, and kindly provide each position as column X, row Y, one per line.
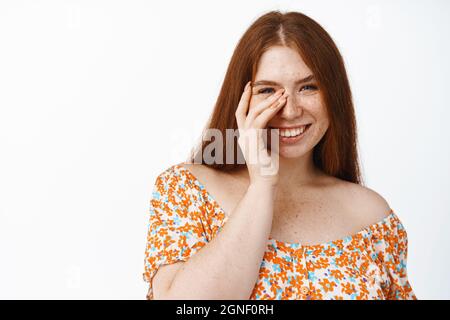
column 273, row 83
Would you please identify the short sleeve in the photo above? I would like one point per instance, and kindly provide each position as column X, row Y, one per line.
column 175, row 228
column 392, row 251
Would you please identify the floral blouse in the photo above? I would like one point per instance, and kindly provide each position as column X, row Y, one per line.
column 370, row 264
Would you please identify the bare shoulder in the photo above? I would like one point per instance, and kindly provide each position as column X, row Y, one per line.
column 213, row 176
column 364, row 205
column 203, row 173
column 213, row 180
column 226, row 188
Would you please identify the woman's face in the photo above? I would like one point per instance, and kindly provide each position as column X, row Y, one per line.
column 282, row 67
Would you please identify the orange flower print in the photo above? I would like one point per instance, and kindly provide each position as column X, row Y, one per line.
column 327, row 285
column 316, row 252
column 337, row 274
column 348, row 288
column 329, row 252
column 315, row 294
column 342, row 261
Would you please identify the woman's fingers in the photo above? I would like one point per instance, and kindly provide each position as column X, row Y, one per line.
column 264, row 117
column 260, row 115
column 263, row 105
column 241, row 111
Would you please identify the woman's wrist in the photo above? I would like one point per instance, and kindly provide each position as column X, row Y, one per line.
column 263, row 186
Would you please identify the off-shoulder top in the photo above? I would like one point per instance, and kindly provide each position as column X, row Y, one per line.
column 370, row 264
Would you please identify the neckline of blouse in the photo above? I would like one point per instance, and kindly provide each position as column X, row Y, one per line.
column 388, row 219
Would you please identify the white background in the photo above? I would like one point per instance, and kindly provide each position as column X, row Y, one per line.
column 98, row 97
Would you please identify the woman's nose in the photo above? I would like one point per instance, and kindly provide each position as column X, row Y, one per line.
column 291, row 109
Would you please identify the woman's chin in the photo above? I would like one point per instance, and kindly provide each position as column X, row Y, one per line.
column 292, row 152
column 288, row 153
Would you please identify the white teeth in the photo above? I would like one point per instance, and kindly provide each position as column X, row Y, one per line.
column 292, row 132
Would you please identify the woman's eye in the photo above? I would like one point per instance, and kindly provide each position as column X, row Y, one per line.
column 309, row 87
column 264, row 90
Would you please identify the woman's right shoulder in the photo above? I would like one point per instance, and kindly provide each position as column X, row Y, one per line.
column 199, row 172
column 177, row 185
column 181, row 168
column 187, row 175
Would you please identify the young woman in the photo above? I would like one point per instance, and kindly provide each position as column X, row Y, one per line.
column 308, row 230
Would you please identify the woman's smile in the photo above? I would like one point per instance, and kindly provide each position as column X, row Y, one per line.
column 292, row 135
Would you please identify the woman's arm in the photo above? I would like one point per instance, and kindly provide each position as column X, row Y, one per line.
column 228, row 266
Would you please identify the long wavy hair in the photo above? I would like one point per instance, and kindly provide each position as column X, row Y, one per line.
column 336, row 153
